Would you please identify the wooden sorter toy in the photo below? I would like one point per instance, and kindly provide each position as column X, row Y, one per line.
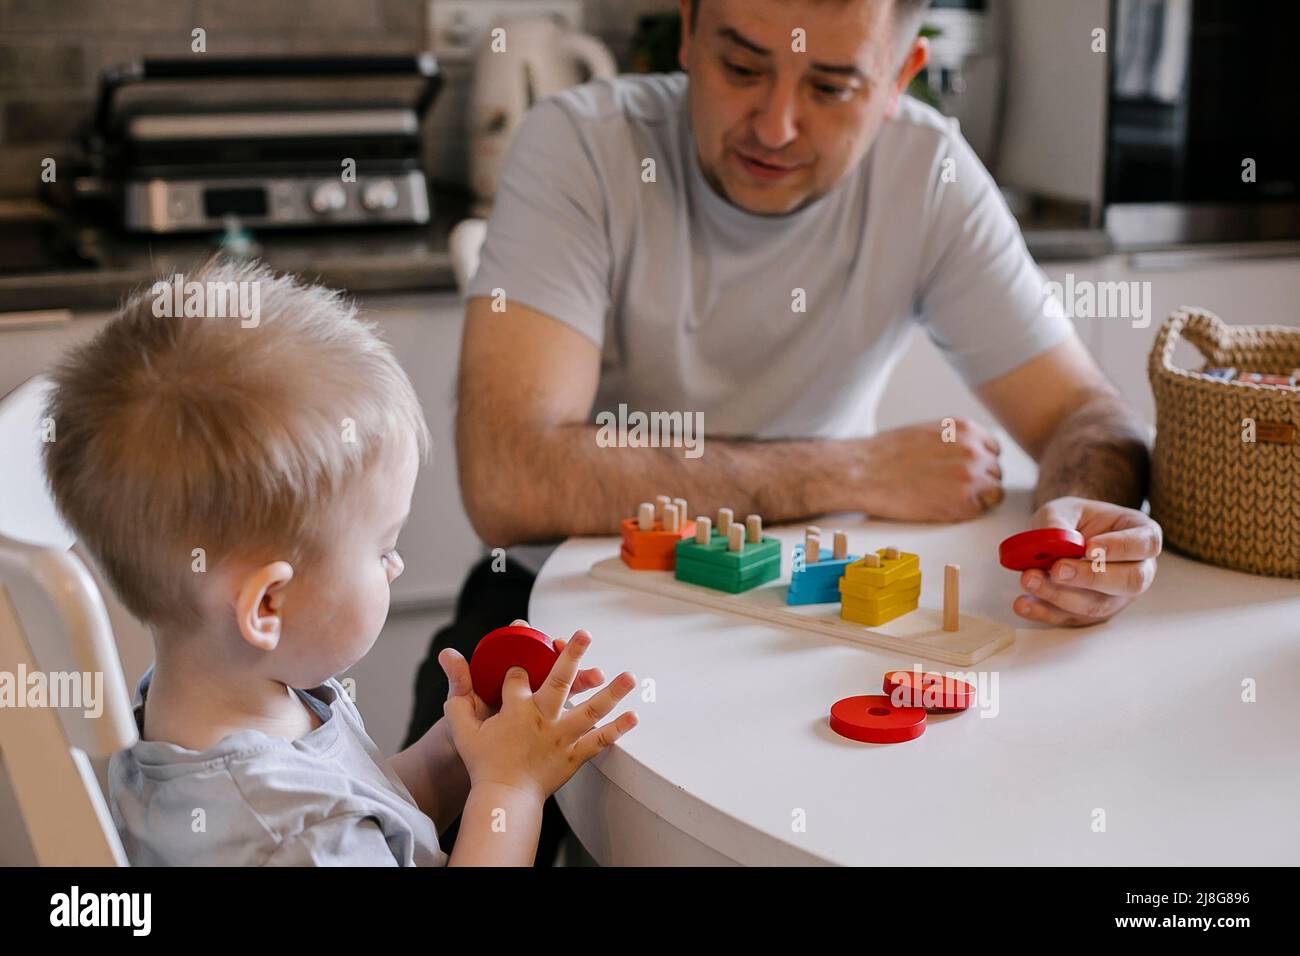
column 650, row 539
column 881, row 586
column 815, row 576
column 873, row 599
column 729, row 558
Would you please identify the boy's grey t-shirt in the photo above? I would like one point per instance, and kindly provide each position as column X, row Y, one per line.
column 693, row 300
column 329, row 798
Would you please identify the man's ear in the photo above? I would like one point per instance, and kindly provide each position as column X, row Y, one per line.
column 259, row 604
column 684, row 48
column 918, row 55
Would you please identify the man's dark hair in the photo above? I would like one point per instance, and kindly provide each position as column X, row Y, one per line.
column 907, row 13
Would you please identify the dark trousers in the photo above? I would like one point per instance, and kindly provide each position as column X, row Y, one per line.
column 488, row 600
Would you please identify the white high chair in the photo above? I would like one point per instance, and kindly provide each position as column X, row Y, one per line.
column 53, row 620
column 466, row 241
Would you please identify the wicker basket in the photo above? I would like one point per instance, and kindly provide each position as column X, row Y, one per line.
column 1220, row 498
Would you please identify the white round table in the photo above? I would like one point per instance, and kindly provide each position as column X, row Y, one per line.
column 1126, row 743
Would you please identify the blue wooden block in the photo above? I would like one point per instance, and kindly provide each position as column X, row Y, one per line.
column 817, row 583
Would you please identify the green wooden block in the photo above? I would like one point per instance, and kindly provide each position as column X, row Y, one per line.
column 723, row 579
column 716, row 553
column 713, row 566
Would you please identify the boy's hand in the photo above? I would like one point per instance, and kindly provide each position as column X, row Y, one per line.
column 456, row 668
column 533, row 744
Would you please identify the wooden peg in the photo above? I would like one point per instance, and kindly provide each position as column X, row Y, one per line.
column 736, row 538
column 871, row 560
column 671, row 521
column 812, row 546
column 891, row 554
column 703, row 529
column 813, row 529
column 725, row 516
column 682, row 513
column 661, row 502
column 645, row 516
column 841, row 546
column 951, row 576
column 753, row 529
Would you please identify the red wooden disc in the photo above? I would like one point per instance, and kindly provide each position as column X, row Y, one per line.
column 508, row 647
column 875, row 720
column 1040, row 548
column 934, row 692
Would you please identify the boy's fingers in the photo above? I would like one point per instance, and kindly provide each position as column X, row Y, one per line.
column 555, row 689
column 456, row 668
column 597, row 740
column 587, row 678
column 518, row 622
column 515, row 686
column 585, row 716
column 459, row 711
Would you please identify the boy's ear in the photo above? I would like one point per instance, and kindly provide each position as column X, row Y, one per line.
column 259, row 602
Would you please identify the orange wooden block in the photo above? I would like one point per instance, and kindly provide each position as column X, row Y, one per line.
column 652, row 550
column 645, row 562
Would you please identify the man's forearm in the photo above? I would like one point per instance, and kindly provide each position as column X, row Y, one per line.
column 575, row 486
column 1098, row 452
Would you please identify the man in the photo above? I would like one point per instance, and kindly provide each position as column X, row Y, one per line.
column 650, row 239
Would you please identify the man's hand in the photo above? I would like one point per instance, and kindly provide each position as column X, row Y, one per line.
column 917, row 476
column 1072, row 593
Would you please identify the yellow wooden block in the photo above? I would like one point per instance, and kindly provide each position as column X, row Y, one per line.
column 900, row 585
column 874, row 603
column 890, row 570
column 875, row 613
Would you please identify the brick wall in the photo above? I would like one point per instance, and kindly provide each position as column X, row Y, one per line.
column 51, row 53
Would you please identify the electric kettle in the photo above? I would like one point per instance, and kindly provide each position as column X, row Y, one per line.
column 526, row 60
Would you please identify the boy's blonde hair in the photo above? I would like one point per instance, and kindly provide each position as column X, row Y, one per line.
column 178, row 433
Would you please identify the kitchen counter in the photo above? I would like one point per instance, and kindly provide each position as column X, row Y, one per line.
column 359, row 261
column 107, row 265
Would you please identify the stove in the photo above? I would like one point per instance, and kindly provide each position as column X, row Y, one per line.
column 267, row 161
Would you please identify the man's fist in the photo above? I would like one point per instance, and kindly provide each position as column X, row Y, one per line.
column 932, row 473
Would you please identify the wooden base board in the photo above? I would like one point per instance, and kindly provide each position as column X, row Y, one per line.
column 919, row 633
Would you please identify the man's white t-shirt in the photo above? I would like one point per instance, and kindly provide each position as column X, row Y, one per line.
column 695, row 303
column 772, row 327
